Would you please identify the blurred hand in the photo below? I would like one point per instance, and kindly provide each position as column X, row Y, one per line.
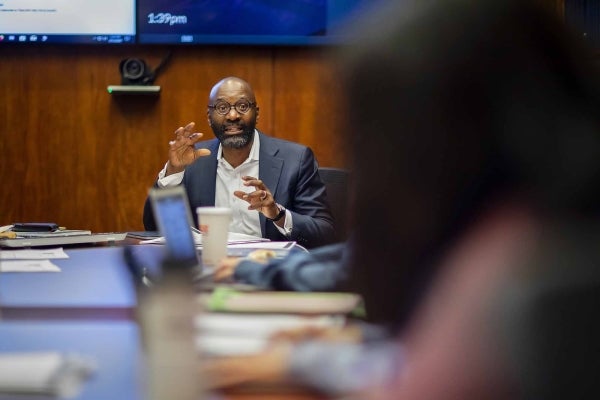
column 226, row 268
column 261, row 255
column 349, row 334
column 182, row 151
column 270, row 366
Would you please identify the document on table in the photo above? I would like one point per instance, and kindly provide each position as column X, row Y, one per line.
column 220, row 334
column 262, row 245
column 225, row 324
column 59, row 233
column 233, row 238
column 43, row 373
column 33, row 254
column 276, row 249
column 224, row 299
column 28, row 266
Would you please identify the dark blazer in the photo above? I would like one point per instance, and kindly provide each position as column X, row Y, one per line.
column 322, row 269
column 289, row 170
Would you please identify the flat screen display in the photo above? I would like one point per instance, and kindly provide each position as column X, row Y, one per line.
column 202, row 22
column 68, row 21
column 270, row 22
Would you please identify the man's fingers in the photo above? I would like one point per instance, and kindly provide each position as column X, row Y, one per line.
column 202, row 152
column 189, row 127
column 195, row 136
column 185, row 131
column 257, row 195
column 182, row 140
column 240, row 194
column 250, row 181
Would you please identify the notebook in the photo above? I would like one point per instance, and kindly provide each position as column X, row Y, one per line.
column 63, row 240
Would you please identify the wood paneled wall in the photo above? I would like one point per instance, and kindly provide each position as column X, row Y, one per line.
column 73, row 154
column 76, row 155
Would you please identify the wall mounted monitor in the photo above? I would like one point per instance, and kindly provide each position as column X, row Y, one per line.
column 246, row 22
column 67, row 21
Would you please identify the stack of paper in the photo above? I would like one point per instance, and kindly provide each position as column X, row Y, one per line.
column 314, row 303
column 221, row 334
column 43, row 373
column 233, row 238
column 30, row 260
column 241, row 322
column 58, row 233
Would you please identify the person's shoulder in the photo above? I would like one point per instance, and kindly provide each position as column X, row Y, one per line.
column 283, row 144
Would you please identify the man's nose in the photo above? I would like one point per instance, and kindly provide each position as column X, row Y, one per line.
column 233, row 114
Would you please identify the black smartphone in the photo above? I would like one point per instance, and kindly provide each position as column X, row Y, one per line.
column 34, row 227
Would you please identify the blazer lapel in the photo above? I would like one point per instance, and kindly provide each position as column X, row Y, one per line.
column 206, row 180
column 269, row 167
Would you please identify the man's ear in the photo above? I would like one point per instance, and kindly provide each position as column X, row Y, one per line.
column 257, row 114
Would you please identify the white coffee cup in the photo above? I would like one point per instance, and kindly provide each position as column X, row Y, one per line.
column 213, row 222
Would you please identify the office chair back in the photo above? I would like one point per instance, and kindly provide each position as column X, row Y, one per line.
column 336, row 182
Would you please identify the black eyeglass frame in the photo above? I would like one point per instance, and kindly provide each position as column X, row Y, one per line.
column 251, row 104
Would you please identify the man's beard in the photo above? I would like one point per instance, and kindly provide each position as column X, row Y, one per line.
column 235, row 141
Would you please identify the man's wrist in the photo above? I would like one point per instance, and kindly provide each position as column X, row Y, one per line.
column 170, row 169
column 280, row 213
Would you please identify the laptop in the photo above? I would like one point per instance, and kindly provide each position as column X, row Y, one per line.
column 178, row 251
column 174, row 220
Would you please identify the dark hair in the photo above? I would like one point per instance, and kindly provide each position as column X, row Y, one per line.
column 455, row 105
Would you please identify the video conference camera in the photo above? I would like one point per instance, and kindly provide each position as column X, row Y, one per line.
column 135, row 71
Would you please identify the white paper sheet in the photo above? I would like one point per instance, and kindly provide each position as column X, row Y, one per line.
column 47, row 373
column 233, row 238
column 33, row 254
column 263, row 245
column 220, row 334
column 261, row 325
column 211, row 345
column 28, row 266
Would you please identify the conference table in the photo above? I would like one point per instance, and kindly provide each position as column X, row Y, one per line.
column 112, row 346
column 91, row 308
column 94, row 283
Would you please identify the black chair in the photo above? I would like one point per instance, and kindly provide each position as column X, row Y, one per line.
column 336, row 182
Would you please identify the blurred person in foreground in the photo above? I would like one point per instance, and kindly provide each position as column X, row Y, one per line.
column 272, row 185
column 321, row 269
column 476, row 137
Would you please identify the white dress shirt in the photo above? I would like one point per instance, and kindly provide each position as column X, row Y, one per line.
column 229, row 179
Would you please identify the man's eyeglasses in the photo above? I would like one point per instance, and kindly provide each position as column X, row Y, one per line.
column 241, row 106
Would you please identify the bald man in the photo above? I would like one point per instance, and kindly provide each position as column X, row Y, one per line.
column 272, row 185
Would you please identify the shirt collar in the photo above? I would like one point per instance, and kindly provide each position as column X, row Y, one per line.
column 254, row 150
